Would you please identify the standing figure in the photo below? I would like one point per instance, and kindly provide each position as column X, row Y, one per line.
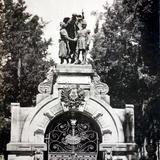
column 72, row 29
column 64, row 49
column 83, row 42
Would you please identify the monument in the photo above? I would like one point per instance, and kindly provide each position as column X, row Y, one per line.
column 74, row 39
column 72, row 119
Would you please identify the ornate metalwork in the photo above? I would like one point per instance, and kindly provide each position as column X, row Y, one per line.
column 72, row 97
column 73, row 137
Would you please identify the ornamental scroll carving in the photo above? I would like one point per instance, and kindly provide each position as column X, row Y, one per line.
column 47, row 84
column 100, row 87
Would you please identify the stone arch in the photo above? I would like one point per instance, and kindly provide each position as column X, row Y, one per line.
column 107, row 119
column 44, row 112
column 37, row 120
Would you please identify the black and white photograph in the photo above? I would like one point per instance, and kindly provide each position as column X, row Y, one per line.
column 79, row 80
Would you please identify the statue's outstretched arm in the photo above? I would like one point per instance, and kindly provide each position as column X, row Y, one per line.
column 65, row 35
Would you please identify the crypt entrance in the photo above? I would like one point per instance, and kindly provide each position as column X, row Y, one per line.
column 72, row 135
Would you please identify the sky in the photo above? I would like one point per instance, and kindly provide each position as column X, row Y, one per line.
column 53, row 12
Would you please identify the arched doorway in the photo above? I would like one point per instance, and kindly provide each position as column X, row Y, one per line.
column 73, row 135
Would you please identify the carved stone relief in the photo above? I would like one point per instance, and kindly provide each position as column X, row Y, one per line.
column 49, row 115
column 100, row 87
column 72, row 97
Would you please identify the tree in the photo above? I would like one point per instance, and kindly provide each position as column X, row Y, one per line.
column 125, row 55
column 115, row 54
column 28, row 50
column 25, row 60
column 4, row 122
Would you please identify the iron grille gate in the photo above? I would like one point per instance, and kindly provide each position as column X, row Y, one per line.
column 72, row 140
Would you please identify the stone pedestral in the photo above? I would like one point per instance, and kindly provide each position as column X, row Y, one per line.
column 74, row 74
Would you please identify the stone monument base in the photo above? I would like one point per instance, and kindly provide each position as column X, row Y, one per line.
column 76, row 95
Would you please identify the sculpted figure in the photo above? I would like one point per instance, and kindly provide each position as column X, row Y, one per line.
column 64, row 49
column 83, row 42
column 72, row 29
column 69, row 47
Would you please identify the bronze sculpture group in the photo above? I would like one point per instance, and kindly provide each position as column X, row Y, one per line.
column 74, row 39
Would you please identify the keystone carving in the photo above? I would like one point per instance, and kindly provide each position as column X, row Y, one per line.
column 72, row 97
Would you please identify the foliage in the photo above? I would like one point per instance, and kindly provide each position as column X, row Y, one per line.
column 4, row 133
column 125, row 55
column 28, row 49
column 151, row 120
column 25, row 63
column 4, row 122
column 115, row 54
